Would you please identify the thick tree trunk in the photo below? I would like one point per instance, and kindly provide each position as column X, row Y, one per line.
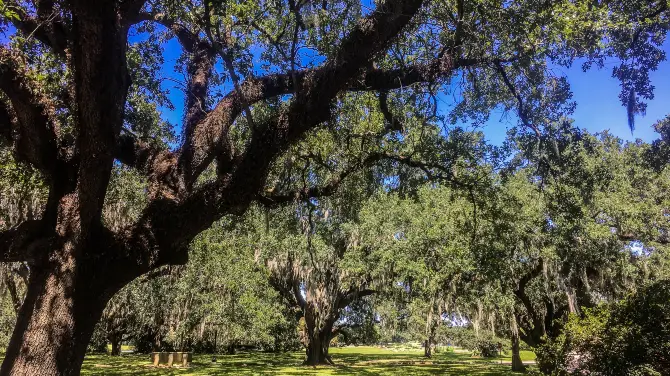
column 115, row 340
column 317, row 350
column 55, row 323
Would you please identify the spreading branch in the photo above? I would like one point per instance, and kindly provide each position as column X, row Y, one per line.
column 47, row 27
column 34, row 132
column 210, row 136
column 101, row 82
column 523, row 115
column 352, row 295
column 24, row 242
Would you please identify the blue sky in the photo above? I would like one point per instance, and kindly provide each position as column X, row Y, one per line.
column 598, row 107
column 595, row 92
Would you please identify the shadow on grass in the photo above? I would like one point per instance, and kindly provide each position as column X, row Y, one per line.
column 363, row 361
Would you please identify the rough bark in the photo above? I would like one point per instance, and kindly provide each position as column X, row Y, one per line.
column 517, row 364
column 55, row 323
column 319, row 335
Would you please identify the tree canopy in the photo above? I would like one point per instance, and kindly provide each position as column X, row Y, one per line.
column 283, row 103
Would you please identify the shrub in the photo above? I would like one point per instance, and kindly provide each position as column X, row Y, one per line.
column 631, row 337
column 488, row 347
column 486, row 344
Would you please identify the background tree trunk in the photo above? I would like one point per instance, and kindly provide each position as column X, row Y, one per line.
column 517, row 364
column 115, row 339
column 55, row 323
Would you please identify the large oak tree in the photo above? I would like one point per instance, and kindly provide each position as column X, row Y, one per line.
column 75, row 90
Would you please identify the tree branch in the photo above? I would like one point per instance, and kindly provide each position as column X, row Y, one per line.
column 353, row 295
column 328, row 189
column 171, row 224
column 188, row 39
column 213, row 131
column 521, row 109
column 199, row 71
column 34, row 133
column 47, row 27
column 392, row 123
column 130, row 10
column 101, row 82
column 23, row 242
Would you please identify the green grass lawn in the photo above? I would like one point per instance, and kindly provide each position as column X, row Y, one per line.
column 349, row 361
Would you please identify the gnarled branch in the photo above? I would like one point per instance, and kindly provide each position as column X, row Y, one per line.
column 325, row 190
column 352, row 295
column 34, row 132
column 47, row 26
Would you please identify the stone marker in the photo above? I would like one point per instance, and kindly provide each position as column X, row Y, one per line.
column 170, row 358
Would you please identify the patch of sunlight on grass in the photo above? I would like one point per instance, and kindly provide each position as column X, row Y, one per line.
column 123, row 348
column 355, row 360
column 525, row 356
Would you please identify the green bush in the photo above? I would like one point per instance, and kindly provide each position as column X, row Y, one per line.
column 631, row 337
column 98, row 343
column 488, row 347
column 486, row 344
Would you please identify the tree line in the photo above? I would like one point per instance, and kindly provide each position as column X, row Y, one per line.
column 505, row 252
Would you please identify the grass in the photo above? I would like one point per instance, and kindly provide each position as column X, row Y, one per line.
column 525, row 356
column 123, row 348
column 349, row 361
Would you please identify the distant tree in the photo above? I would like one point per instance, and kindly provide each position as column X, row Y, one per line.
column 319, row 268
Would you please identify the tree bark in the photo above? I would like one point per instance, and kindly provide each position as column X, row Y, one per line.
column 318, row 336
column 517, row 364
column 317, row 349
column 55, row 323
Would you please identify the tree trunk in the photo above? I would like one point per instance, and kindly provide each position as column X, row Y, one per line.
column 55, row 323
column 319, row 331
column 517, row 364
column 317, row 349
column 115, row 339
column 426, row 349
